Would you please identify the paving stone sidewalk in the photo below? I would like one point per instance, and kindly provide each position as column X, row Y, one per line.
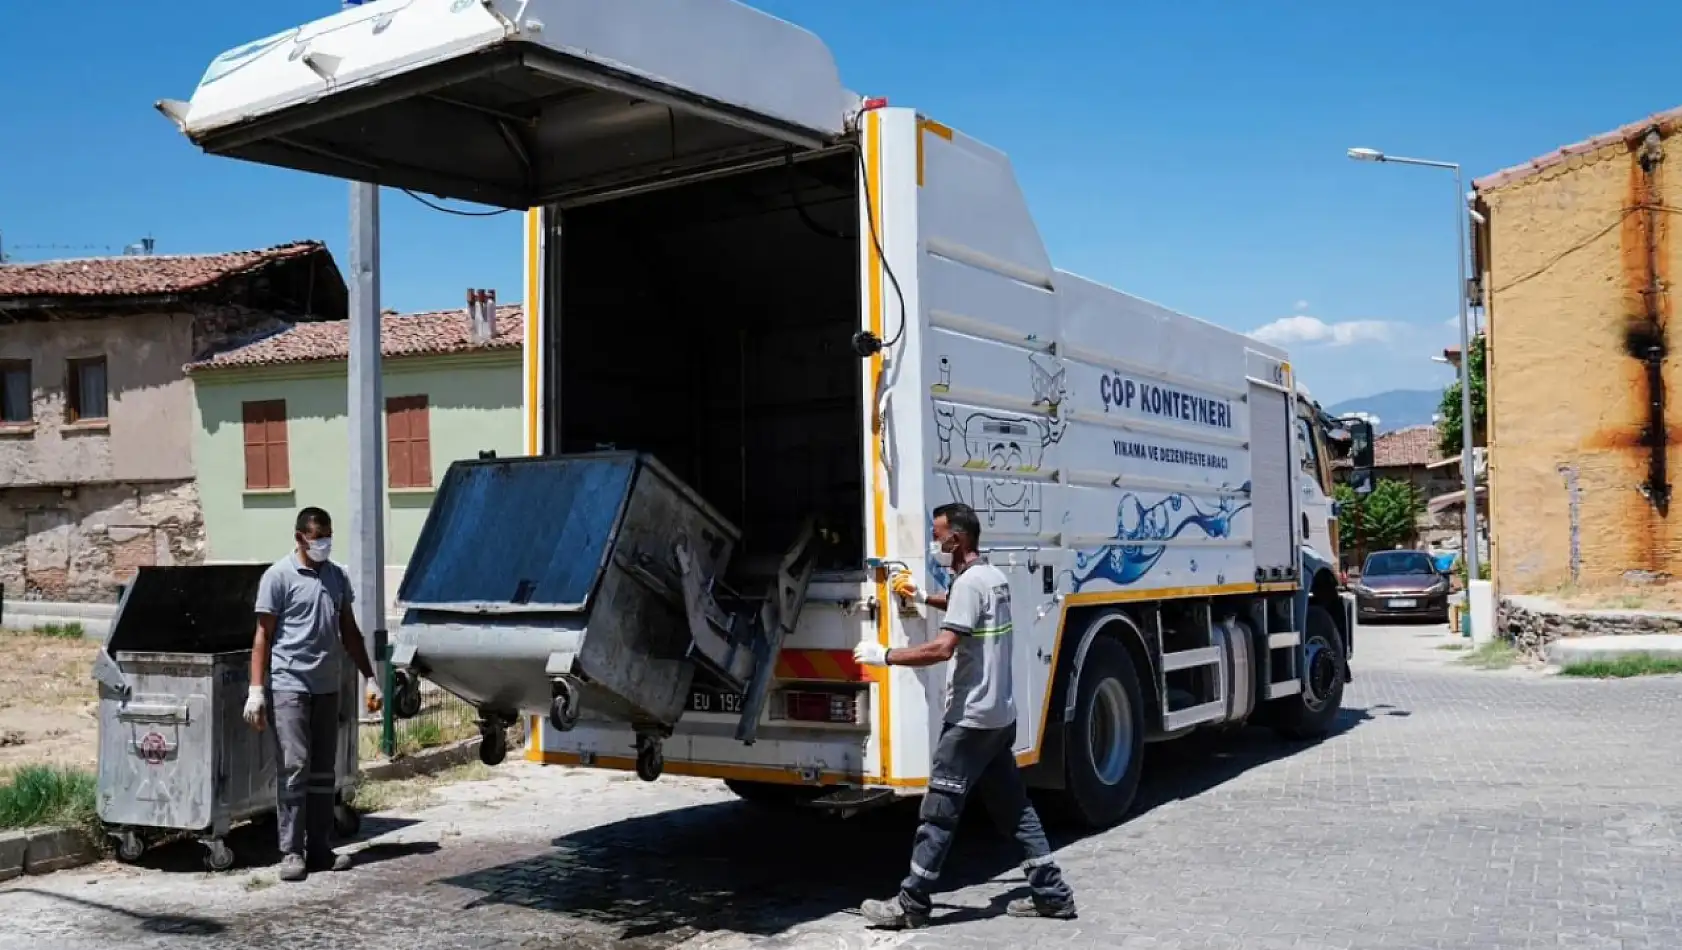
column 1454, row 809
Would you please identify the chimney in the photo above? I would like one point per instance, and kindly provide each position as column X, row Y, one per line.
column 481, row 316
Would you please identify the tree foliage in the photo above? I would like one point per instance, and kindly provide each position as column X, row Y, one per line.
column 1448, row 411
column 1380, row 519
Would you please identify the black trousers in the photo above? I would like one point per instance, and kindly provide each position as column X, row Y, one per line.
column 979, row 761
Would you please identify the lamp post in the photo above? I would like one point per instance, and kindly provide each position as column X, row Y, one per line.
column 1467, row 475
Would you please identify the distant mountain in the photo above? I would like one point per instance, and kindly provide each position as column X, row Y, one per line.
column 1396, row 409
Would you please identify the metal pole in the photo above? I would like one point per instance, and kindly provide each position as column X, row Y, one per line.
column 1468, row 474
column 367, row 443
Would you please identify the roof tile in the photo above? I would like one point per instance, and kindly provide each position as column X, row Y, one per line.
column 1414, row 445
column 1666, row 121
column 141, row 275
column 414, row 334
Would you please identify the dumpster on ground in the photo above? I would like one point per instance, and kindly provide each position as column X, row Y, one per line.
column 175, row 753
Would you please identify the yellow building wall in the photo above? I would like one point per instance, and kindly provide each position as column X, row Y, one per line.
column 1567, row 262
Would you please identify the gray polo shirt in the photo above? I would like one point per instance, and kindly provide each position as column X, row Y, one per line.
column 306, row 601
column 978, row 611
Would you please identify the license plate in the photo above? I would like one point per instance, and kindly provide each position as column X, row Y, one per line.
column 713, row 701
column 1405, row 602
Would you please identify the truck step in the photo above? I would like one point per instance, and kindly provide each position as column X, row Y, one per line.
column 1190, row 659
column 1286, row 688
column 1182, row 718
column 1283, row 639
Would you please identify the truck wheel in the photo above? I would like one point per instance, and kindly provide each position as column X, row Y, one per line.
column 1105, row 747
column 1311, row 714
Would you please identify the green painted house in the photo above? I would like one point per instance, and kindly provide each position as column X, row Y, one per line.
column 272, row 434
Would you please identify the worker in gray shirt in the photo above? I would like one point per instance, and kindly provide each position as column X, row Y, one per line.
column 304, row 620
column 974, row 754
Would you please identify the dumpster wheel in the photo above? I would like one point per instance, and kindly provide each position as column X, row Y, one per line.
column 129, row 846
column 406, row 701
column 651, row 761
column 564, row 707
column 218, row 856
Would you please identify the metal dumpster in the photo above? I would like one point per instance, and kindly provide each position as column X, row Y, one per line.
column 549, row 586
column 175, row 752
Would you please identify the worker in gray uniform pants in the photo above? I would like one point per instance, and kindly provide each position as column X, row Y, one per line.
column 304, row 620
column 974, row 752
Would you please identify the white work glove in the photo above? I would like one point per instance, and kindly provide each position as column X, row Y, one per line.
column 870, row 653
column 254, row 705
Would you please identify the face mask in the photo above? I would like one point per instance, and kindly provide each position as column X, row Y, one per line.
column 320, row 550
column 941, row 556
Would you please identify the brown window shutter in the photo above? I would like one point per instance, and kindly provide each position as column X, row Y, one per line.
column 396, row 443
column 256, row 454
column 420, row 443
column 279, row 451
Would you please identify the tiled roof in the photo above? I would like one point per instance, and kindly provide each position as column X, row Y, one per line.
column 411, row 334
column 141, row 275
column 1667, row 121
column 1414, row 445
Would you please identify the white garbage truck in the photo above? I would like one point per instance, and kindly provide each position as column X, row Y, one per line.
column 771, row 325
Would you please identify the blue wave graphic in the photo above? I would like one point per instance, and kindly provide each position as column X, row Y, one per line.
column 1141, row 525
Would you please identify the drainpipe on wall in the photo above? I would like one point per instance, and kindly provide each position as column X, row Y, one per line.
column 1576, row 500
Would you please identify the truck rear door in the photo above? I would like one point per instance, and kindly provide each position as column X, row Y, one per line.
column 520, row 103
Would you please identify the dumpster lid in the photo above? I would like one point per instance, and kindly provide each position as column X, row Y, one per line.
column 519, row 102
column 522, row 535
column 207, row 608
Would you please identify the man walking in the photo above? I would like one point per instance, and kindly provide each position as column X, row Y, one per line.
column 974, row 753
column 304, row 619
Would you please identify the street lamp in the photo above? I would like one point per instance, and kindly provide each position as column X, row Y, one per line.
column 1468, row 477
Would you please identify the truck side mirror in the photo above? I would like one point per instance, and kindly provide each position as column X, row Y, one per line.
column 1360, row 443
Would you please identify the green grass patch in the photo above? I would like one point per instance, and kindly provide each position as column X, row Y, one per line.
column 414, row 792
column 43, row 795
column 1451, row 646
column 60, row 631
column 1624, row 667
column 1494, row 655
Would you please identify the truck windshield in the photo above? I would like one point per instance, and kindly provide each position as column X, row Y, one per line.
column 1390, row 563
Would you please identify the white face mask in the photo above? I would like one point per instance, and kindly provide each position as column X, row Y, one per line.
column 940, row 555
column 320, row 550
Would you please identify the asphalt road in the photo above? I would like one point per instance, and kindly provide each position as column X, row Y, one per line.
column 1454, row 808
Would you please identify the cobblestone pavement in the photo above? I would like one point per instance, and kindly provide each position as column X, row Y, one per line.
column 1455, row 809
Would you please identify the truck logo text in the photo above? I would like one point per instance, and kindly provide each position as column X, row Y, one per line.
column 1122, row 393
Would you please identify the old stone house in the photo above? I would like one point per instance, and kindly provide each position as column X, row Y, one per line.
column 1577, row 268
column 96, row 411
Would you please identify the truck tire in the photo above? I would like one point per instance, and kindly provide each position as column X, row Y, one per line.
column 1312, row 713
column 1105, row 746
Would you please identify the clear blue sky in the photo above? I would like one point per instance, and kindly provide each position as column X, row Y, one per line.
column 1188, row 152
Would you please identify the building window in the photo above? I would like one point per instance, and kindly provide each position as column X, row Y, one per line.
column 266, row 467
column 408, row 441
column 86, row 392
column 17, row 394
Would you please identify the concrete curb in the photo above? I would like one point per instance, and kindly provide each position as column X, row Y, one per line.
column 425, row 762
column 43, row 851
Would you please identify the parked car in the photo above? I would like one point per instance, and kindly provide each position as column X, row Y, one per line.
column 1401, row 584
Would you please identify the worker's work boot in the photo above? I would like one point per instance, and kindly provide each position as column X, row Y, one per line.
column 1034, row 907
column 328, row 861
column 292, row 868
column 892, row 914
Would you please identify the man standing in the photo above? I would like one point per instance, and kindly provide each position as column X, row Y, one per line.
column 974, row 752
column 304, row 619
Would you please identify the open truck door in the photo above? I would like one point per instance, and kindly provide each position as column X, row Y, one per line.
column 524, row 104
column 520, row 103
